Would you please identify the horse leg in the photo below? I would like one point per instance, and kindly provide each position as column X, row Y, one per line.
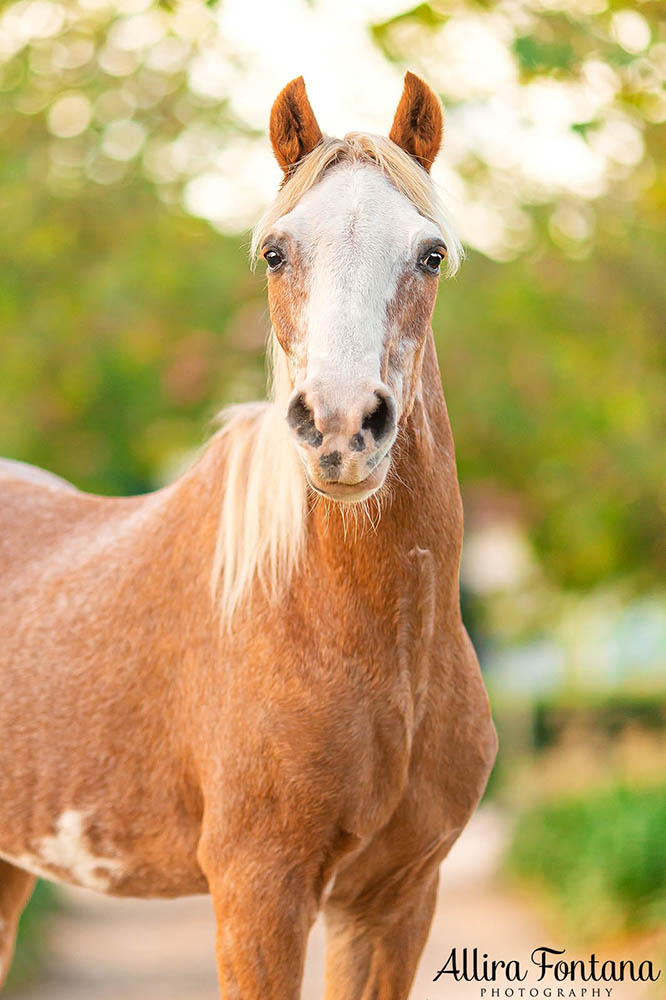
column 377, row 919
column 16, row 886
column 264, row 906
column 380, row 909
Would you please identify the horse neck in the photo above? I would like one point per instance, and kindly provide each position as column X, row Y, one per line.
column 423, row 510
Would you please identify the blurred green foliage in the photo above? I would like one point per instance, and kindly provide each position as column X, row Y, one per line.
column 604, row 716
column 124, row 327
column 601, row 857
column 31, row 949
column 555, row 376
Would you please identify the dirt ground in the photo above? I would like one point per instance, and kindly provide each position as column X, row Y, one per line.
column 107, row 949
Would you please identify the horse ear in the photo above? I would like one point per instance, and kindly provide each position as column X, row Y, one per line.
column 418, row 123
column 294, row 130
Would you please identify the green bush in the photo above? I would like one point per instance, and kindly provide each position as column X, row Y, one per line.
column 31, row 947
column 602, row 857
column 604, row 714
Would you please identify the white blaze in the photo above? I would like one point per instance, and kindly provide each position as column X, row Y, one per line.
column 357, row 234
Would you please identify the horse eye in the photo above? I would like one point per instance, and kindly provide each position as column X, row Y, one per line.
column 273, row 258
column 431, row 261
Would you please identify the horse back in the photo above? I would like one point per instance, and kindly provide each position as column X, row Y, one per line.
column 11, row 469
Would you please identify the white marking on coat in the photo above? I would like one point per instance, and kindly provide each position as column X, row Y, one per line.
column 68, row 852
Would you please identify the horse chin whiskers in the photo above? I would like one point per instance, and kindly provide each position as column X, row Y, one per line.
column 356, row 517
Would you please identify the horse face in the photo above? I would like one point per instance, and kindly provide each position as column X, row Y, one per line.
column 352, row 280
column 353, row 270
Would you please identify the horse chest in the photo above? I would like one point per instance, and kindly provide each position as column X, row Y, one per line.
column 399, row 709
column 361, row 705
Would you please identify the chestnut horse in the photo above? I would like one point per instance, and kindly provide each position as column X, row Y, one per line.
column 256, row 681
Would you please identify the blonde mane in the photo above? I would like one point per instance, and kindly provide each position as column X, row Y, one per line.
column 262, row 519
column 261, row 531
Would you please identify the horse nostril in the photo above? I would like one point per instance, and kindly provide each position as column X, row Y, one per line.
column 298, row 412
column 379, row 421
column 301, row 420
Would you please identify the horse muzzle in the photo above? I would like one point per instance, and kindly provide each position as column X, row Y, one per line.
column 345, row 449
column 344, row 492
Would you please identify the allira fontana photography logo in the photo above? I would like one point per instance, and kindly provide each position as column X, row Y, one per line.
column 548, row 974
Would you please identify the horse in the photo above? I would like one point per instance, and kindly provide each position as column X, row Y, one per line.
column 255, row 682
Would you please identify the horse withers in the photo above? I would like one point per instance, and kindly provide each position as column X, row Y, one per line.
column 256, row 681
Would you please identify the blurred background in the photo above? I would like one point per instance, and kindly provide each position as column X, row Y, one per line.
column 133, row 160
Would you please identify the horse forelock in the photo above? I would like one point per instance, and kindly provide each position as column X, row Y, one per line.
column 409, row 178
